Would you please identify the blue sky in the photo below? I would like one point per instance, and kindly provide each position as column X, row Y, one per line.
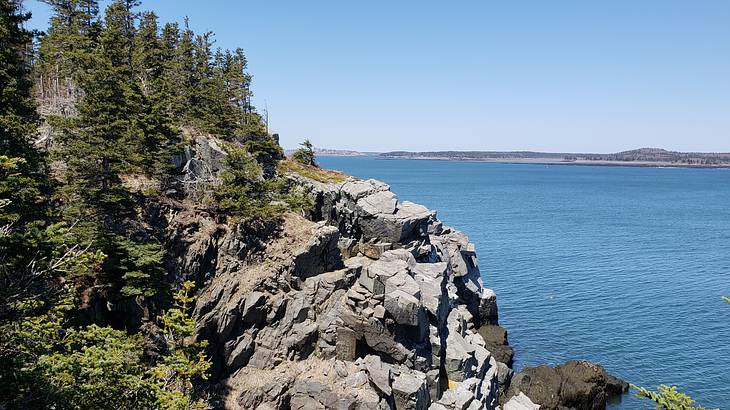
column 580, row 76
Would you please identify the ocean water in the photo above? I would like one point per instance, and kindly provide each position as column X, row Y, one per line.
column 621, row 266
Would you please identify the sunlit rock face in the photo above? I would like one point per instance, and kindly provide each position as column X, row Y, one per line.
column 367, row 302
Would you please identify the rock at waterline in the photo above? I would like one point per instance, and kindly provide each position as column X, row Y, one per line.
column 578, row 385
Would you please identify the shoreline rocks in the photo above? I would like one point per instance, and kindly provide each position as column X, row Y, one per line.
column 579, row 385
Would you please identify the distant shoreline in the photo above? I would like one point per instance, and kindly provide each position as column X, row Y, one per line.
column 643, row 157
column 552, row 161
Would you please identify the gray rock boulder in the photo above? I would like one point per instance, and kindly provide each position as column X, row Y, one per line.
column 378, row 373
column 410, row 391
column 520, row 402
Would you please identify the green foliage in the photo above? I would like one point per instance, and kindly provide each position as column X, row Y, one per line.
column 173, row 378
column 44, row 364
column 305, row 154
column 298, row 199
column 668, row 398
column 73, row 32
column 138, row 265
column 243, row 192
column 123, row 87
column 22, row 179
column 20, row 191
column 98, row 367
column 263, row 148
column 24, row 342
column 117, row 130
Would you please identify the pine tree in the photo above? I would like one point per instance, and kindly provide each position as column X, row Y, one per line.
column 183, row 72
column 206, row 87
column 148, row 54
column 22, row 170
column 20, row 163
column 73, row 33
column 305, row 154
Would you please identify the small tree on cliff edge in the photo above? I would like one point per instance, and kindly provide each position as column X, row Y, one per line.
column 305, row 154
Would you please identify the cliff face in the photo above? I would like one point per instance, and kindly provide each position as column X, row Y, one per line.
column 368, row 302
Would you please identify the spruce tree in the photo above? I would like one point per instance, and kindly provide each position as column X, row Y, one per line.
column 117, row 132
column 206, row 87
column 95, row 145
column 183, row 72
column 22, row 170
column 148, row 54
column 170, row 98
column 305, row 154
column 73, row 33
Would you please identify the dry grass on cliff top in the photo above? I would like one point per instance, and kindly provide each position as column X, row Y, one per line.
column 328, row 176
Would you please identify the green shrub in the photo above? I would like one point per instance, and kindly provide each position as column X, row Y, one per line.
column 668, row 398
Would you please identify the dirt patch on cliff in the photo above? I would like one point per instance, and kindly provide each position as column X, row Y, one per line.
column 278, row 380
column 236, row 276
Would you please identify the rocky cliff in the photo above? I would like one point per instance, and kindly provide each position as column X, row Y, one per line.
column 366, row 302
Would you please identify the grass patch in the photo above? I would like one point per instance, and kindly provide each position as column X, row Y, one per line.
column 289, row 166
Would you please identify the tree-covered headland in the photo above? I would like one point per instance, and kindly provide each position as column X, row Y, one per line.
column 92, row 114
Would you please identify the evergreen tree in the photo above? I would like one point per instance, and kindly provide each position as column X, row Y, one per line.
column 117, row 132
column 148, row 54
column 186, row 362
column 21, row 166
column 73, row 33
column 206, row 86
column 238, row 82
column 183, row 72
column 33, row 252
column 169, row 97
column 22, row 170
column 305, row 154
column 95, row 145
column 244, row 193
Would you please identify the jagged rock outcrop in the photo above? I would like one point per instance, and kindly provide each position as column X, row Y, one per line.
column 365, row 303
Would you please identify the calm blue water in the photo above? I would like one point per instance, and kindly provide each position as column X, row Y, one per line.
column 622, row 266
